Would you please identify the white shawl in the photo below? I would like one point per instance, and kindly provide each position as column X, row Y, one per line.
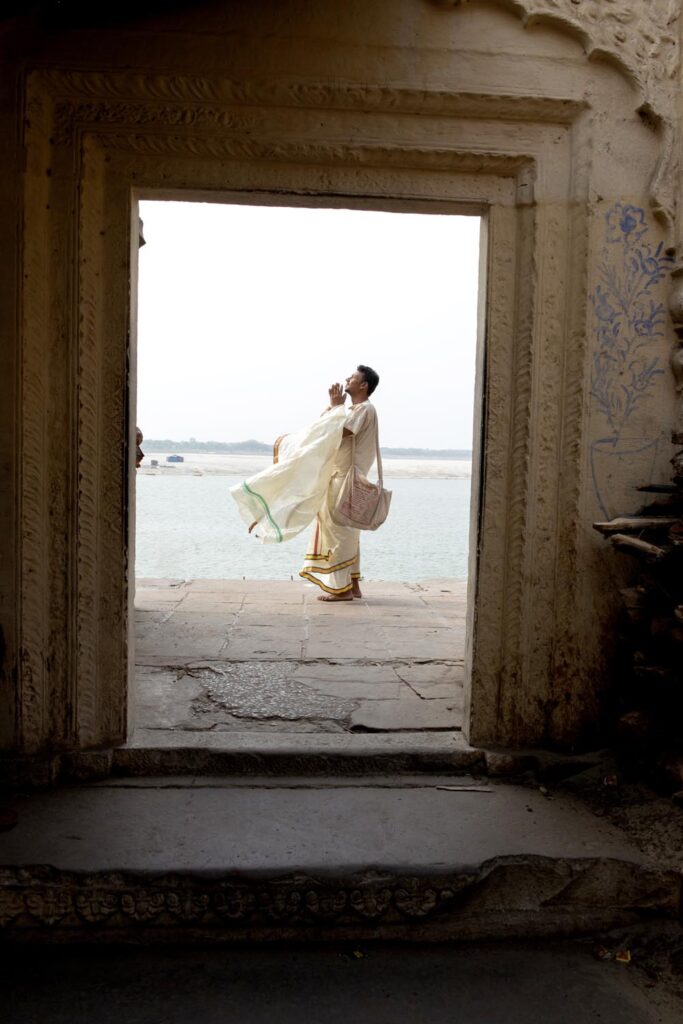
column 282, row 500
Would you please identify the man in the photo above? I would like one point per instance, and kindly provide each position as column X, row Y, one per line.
column 333, row 559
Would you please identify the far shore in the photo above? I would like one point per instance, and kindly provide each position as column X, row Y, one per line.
column 207, row 464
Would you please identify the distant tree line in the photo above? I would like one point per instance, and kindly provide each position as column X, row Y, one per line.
column 210, row 447
column 253, row 447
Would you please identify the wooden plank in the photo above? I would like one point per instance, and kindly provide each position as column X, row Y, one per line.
column 634, row 524
column 659, row 488
column 634, row 546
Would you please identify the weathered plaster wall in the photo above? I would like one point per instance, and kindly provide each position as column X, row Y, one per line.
column 529, row 109
column 10, row 206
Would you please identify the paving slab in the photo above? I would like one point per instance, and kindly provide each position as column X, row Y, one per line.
column 443, row 672
column 433, row 681
column 407, row 715
column 335, row 648
column 246, row 650
column 165, row 696
column 262, row 618
column 278, row 634
column 439, row 691
column 369, row 675
column 399, row 650
column 179, row 650
column 356, row 690
column 336, row 655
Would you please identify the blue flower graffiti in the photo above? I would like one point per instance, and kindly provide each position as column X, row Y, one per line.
column 625, row 223
column 628, row 318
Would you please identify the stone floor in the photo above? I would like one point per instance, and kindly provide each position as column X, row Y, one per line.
column 233, row 656
column 483, row 984
column 256, row 827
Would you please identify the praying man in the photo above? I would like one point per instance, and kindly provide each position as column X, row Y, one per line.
column 333, row 559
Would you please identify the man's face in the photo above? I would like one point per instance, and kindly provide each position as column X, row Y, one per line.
column 355, row 384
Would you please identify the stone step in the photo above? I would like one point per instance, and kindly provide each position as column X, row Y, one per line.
column 199, row 859
column 161, row 753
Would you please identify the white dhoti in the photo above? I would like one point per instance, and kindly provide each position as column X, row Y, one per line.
column 303, row 485
column 333, row 557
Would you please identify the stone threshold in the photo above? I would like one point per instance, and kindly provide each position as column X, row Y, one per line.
column 170, row 753
column 160, row 753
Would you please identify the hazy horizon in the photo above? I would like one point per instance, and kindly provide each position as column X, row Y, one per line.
column 247, row 314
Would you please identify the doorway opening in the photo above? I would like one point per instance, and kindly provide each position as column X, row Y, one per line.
column 247, row 312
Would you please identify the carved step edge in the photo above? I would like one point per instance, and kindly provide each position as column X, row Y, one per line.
column 508, row 897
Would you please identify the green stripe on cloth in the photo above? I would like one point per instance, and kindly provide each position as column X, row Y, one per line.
column 272, row 522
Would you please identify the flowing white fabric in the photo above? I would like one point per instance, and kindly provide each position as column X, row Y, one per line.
column 282, row 500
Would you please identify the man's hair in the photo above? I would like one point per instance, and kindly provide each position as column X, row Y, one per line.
column 371, row 377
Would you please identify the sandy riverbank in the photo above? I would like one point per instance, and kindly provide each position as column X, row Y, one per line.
column 201, row 464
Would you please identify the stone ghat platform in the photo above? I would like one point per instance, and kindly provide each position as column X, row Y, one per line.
column 221, row 657
column 415, row 858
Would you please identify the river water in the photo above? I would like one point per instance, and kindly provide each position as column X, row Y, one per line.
column 188, row 526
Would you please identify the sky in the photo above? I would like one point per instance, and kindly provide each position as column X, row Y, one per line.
column 247, row 314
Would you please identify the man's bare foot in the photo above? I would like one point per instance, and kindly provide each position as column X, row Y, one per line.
column 357, row 592
column 332, row 597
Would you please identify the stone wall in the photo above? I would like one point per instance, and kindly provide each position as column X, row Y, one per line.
column 556, row 120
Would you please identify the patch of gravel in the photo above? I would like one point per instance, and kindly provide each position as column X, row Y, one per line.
column 265, row 690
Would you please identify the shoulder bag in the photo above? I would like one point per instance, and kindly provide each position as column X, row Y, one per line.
column 362, row 505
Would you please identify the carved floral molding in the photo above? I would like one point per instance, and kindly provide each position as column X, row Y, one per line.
column 55, row 898
column 62, row 903
column 642, row 38
column 641, row 35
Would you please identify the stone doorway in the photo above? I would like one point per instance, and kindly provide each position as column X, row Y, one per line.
column 567, row 178
column 262, row 657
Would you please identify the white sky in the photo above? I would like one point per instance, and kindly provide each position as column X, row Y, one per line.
column 247, row 314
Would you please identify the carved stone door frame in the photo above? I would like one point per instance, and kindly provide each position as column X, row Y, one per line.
column 96, row 142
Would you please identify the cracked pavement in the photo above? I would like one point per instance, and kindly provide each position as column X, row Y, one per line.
column 238, row 655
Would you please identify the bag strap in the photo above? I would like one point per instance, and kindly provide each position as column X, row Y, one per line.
column 380, row 473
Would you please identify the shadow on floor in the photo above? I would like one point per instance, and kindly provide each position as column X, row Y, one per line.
column 491, row 984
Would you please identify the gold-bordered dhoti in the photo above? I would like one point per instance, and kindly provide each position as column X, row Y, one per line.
column 333, row 558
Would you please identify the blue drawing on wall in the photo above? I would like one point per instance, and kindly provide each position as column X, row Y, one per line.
column 628, row 318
